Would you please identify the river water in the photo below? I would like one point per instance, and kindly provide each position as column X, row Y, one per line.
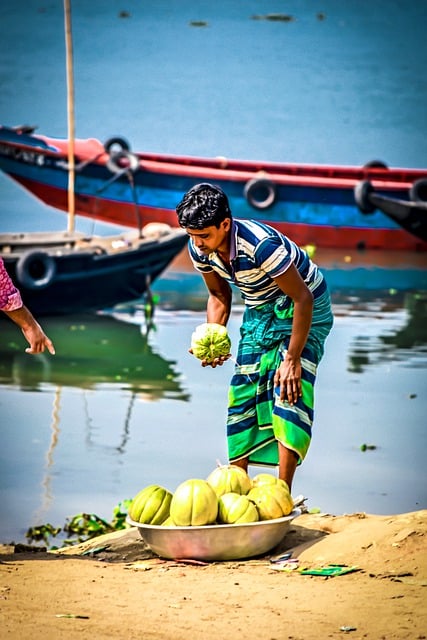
column 116, row 410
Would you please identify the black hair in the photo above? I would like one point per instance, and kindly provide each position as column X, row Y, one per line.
column 204, row 205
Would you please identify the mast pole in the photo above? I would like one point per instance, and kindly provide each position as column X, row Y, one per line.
column 70, row 114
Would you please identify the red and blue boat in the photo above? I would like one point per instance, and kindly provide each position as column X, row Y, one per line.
column 313, row 204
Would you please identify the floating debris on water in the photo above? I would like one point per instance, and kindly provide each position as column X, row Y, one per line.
column 368, row 447
column 275, row 17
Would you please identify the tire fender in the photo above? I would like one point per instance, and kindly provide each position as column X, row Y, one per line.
column 418, row 190
column 261, row 193
column 361, row 196
column 116, row 144
column 36, row 270
column 375, row 164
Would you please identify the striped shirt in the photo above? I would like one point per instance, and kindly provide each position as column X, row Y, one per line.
column 258, row 254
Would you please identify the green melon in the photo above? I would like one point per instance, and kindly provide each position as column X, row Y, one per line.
column 272, row 501
column 151, row 505
column 267, row 478
column 209, row 341
column 234, row 508
column 194, row 503
column 229, row 478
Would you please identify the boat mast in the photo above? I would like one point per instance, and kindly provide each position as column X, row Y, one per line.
column 70, row 114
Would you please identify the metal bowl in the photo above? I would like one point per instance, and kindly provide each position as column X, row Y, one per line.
column 216, row 541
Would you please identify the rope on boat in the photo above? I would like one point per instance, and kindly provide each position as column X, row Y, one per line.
column 122, row 161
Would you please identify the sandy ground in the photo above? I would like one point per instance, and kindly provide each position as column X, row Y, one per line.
column 125, row 591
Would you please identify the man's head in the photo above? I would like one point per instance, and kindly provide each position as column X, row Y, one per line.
column 204, row 205
column 205, row 214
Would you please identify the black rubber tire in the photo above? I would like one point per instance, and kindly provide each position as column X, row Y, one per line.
column 116, row 144
column 361, row 196
column 261, row 193
column 375, row 164
column 418, row 190
column 36, row 270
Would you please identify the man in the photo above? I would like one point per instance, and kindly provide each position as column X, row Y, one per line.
column 11, row 304
column 286, row 321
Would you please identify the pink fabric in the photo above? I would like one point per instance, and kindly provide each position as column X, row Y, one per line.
column 10, row 298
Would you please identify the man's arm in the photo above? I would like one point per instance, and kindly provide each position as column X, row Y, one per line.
column 219, row 301
column 288, row 375
column 218, row 307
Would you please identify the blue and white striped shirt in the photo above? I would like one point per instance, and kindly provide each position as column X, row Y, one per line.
column 259, row 253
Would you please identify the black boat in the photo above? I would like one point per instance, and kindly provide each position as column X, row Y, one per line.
column 66, row 272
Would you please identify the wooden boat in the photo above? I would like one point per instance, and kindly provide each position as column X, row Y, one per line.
column 313, row 204
column 66, row 272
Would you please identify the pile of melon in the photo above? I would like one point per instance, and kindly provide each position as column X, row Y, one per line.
column 227, row 496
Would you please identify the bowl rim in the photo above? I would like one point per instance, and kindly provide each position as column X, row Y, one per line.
column 206, row 527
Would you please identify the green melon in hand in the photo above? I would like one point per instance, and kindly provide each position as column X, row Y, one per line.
column 209, row 341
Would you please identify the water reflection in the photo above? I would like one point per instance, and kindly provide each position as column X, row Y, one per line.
column 407, row 343
column 91, row 350
column 99, row 355
column 366, row 275
column 123, row 436
column 414, row 333
column 46, row 483
column 77, row 417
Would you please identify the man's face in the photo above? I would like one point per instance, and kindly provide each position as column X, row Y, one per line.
column 212, row 238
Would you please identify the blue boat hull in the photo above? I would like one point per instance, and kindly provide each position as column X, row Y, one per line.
column 311, row 204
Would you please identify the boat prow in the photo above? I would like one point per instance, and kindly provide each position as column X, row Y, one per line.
column 411, row 215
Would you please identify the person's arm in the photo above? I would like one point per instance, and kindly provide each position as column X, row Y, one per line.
column 34, row 334
column 218, row 307
column 11, row 304
column 219, row 301
column 288, row 375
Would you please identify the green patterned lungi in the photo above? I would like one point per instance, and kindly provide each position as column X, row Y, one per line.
column 257, row 418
